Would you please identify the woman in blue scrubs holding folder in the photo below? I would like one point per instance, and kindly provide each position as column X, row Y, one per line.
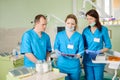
column 96, row 41
column 69, row 47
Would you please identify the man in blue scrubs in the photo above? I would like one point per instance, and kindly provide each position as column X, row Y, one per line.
column 35, row 43
column 96, row 41
column 69, row 47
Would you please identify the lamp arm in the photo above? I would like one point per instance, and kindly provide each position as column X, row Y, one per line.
column 101, row 11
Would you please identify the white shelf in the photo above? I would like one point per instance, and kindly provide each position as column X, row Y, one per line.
column 112, row 25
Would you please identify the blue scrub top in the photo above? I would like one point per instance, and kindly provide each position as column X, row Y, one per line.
column 95, row 41
column 38, row 46
column 61, row 44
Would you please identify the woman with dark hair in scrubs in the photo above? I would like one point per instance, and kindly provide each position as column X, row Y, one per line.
column 69, row 47
column 35, row 43
column 96, row 41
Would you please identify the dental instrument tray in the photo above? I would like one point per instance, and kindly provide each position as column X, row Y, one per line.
column 113, row 58
column 4, row 54
column 106, row 59
column 21, row 72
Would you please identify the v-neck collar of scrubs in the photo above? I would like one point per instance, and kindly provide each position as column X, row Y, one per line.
column 96, row 30
column 70, row 37
column 37, row 34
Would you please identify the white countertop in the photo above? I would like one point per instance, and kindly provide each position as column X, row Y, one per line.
column 46, row 76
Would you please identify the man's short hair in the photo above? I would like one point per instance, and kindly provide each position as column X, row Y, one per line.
column 37, row 18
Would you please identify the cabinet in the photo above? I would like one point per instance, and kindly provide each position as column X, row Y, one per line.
column 8, row 62
column 5, row 66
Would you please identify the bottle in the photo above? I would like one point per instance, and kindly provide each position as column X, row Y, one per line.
column 49, row 64
column 18, row 48
column 15, row 53
column 45, row 67
column 39, row 67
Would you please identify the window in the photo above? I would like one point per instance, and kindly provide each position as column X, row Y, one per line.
column 112, row 7
column 107, row 6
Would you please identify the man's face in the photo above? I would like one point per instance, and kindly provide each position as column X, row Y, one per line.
column 42, row 24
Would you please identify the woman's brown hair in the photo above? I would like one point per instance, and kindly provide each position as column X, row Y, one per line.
column 72, row 16
column 95, row 14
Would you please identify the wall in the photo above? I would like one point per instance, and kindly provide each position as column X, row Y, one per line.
column 16, row 17
column 9, row 38
column 115, row 37
column 18, row 14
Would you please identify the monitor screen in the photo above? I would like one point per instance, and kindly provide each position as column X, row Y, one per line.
column 60, row 28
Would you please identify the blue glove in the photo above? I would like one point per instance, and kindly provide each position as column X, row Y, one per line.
column 98, row 52
column 93, row 54
column 90, row 51
column 58, row 53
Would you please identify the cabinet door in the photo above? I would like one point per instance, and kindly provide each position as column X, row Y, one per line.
column 5, row 66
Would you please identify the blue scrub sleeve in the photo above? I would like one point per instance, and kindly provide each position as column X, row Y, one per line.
column 25, row 44
column 81, row 46
column 106, row 39
column 49, row 49
column 56, row 43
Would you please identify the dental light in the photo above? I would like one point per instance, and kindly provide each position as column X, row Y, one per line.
column 57, row 18
column 82, row 12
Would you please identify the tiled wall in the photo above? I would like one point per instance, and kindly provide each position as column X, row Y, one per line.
column 9, row 38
